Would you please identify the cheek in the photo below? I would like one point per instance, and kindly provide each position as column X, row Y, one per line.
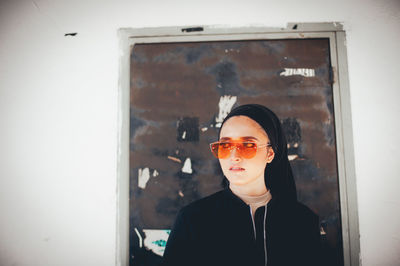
column 260, row 161
column 223, row 164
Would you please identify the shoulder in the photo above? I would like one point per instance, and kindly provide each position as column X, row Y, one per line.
column 304, row 211
column 200, row 215
column 294, row 211
column 206, row 204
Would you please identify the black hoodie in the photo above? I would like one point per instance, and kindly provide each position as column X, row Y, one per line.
column 218, row 229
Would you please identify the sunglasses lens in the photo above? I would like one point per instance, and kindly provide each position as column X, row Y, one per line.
column 214, row 149
column 221, row 150
column 247, row 150
column 224, row 150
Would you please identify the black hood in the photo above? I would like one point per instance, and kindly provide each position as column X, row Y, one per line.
column 278, row 174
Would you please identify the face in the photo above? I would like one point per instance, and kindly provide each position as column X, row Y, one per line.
column 238, row 170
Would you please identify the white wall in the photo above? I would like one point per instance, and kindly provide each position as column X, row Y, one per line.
column 58, row 116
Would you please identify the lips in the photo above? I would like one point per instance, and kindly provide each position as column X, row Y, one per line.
column 236, row 168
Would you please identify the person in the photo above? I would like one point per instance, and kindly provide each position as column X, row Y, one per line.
column 257, row 220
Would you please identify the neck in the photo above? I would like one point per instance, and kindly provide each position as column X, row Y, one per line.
column 248, row 191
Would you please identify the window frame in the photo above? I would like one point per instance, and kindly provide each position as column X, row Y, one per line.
column 342, row 112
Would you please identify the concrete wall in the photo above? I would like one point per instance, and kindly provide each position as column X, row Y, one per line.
column 58, row 116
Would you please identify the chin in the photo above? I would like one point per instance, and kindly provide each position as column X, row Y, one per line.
column 237, row 181
column 238, row 184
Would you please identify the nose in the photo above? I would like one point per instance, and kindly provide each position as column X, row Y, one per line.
column 235, row 156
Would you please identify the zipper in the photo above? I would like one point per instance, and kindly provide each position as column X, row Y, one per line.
column 254, row 225
column 265, row 233
column 265, row 236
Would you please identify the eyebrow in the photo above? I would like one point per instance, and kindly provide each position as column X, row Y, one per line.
column 241, row 138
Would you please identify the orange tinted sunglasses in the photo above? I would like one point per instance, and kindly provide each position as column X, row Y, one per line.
column 247, row 150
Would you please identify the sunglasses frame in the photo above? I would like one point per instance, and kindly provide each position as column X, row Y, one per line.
column 234, row 145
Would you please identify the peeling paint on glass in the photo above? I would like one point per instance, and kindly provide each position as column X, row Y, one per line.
column 180, row 93
column 155, row 240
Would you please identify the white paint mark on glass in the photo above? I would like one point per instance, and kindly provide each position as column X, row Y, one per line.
column 187, row 166
column 306, row 72
column 184, row 134
column 181, row 193
column 156, row 240
column 144, row 176
column 140, row 238
column 155, row 173
column 225, row 105
column 204, row 129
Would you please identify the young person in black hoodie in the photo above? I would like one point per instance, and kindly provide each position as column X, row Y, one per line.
column 257, row 220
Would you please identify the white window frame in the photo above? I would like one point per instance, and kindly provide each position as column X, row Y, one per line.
column 341, row 98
